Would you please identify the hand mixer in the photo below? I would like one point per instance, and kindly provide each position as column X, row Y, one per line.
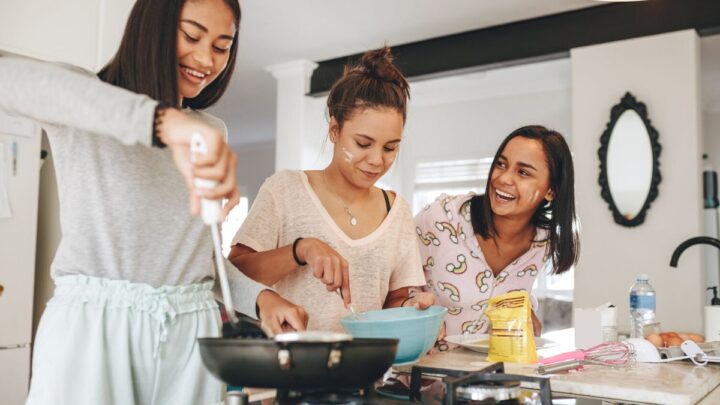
column 606, row 354
column 211, row 213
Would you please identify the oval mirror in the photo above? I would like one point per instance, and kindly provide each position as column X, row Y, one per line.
column 629, row 162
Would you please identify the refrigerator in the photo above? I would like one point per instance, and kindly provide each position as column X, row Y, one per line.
column 20, row 144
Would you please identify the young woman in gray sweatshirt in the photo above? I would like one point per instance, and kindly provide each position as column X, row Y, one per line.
column 134, row 273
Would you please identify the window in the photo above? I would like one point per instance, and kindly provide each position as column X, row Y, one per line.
column 232, row 223
column 449, row 177
column 559, row 286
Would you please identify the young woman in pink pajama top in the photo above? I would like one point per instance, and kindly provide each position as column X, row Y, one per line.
column 474, row 247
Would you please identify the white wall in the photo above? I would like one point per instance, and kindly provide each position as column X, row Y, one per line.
column 112, row 17
column 711, row 146
column 255, row 164
column 663, row 72
column 711, row 138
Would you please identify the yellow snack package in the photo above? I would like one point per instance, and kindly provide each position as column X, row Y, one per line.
column 511, row 337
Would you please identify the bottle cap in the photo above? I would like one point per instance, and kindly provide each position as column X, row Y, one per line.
column 642, row 277
column 715, row 300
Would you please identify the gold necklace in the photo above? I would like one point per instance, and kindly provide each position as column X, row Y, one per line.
column 353, row 220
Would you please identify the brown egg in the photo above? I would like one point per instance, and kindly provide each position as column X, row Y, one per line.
column 673, row 334
column 696, row 338
column 674, row 341
column 655, row 339
column 664, row 337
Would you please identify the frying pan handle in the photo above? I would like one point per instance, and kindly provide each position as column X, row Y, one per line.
column 335, row 356
column 284, row 358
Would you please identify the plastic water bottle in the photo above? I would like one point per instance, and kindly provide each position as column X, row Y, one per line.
column 642, row 305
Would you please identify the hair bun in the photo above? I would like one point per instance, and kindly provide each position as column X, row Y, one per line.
column 379, row 64
column 372, row 82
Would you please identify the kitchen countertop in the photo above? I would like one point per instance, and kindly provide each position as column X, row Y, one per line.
column 677, row 383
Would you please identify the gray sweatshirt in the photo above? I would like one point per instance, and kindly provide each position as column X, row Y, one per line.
column 124, row 209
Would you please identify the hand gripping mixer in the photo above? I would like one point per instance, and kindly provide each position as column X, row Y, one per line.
column 211, row 213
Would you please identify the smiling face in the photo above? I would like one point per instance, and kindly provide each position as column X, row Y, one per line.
column 205, row 34
column 367, row 144
column 520, row 179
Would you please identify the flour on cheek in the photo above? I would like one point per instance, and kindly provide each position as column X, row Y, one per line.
column 348, row 155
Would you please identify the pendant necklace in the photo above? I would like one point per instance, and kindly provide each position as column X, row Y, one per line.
column 353, row 220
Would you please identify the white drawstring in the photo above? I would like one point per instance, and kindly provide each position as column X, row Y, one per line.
column 163, row 313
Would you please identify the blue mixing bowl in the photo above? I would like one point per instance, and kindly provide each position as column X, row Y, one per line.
column 416, row 329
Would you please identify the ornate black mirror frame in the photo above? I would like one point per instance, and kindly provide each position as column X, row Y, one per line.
column 628, row 102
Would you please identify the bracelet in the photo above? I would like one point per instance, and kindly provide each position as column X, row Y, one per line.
column 294, row 252
column 160, row 109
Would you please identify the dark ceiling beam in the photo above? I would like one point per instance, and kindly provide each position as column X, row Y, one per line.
column 537, row 38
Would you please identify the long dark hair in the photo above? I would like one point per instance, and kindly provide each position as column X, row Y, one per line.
column 556, row 216
column 374, row 82
column 147, row 63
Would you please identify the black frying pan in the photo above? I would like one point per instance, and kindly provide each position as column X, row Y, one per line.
column 265, row 363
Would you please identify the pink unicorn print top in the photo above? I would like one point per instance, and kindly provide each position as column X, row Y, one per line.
column 456, row 270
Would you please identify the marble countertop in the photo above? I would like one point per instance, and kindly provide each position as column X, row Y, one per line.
column 677, row 383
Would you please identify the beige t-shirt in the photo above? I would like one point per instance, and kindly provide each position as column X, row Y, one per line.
column 388, row 259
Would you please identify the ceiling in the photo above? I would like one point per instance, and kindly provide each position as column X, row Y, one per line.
column 277, row 31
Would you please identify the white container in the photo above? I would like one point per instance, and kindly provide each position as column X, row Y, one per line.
column 712, row 323
column 608, row 320
column 595, row 325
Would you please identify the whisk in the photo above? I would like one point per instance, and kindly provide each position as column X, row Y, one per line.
column 615, row 354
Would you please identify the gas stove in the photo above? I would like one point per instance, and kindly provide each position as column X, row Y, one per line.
column 488, row 386
column 434, row 386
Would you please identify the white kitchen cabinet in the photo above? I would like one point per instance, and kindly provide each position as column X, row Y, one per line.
column 14, row 375
column 19, row 178
column 64, row 31
column 18, row 233
column 85, row 33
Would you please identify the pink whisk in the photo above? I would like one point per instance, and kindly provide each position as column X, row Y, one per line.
column 606, row 354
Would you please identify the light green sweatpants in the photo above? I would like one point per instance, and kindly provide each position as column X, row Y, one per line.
column 111, row 342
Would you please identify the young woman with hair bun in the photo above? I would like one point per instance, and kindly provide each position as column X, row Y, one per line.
column 310, row 233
